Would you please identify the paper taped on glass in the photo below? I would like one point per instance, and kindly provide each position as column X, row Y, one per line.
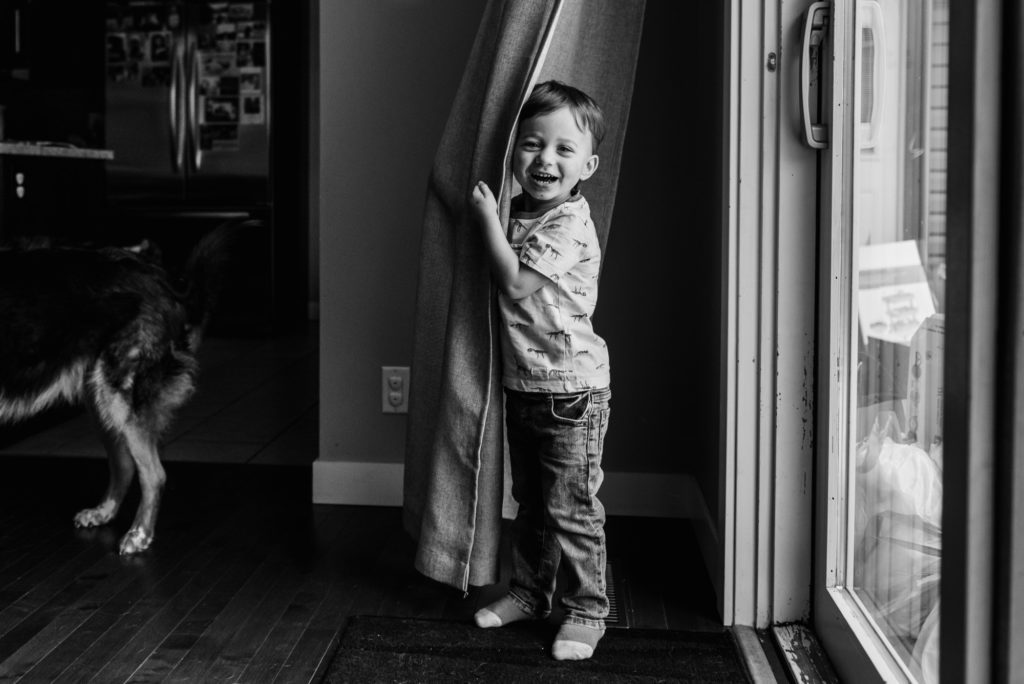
column 893, row 295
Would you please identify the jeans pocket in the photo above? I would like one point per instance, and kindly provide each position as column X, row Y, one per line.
column 571, row 409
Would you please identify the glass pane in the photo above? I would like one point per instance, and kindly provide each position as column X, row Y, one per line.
column 899, row 246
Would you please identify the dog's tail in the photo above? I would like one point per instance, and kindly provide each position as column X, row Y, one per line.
column 206, row 271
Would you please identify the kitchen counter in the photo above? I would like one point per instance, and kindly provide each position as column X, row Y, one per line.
column 52, row 149
column 50, row 188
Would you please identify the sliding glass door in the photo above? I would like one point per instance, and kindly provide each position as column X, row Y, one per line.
column 879, row 116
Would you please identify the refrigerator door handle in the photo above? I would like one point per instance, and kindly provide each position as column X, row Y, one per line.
column 176, row 109
column 193, row 107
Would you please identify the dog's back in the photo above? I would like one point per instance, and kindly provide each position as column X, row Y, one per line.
column 63, row 309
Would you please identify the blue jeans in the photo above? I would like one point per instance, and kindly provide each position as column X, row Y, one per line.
column 555, row 443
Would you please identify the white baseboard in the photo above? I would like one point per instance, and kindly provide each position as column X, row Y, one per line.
column 661, row 495
column 357, row 484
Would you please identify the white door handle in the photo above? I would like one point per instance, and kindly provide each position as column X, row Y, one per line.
column 816, row 21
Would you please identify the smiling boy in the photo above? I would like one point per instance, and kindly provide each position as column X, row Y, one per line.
column 555, row 367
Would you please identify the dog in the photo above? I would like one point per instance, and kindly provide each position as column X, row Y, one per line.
column 113, row 329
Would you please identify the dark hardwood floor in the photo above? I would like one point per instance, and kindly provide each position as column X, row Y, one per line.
column 247, row 581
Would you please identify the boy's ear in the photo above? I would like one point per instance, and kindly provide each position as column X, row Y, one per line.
column 589, row 167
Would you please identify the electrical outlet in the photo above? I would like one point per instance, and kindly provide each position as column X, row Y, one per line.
column 394, row 389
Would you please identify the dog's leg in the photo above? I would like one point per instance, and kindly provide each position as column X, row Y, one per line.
column 142, row 444
column 121, row 470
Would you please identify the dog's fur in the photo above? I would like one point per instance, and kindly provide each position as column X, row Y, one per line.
column 111, row 329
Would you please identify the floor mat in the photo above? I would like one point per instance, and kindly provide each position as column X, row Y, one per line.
column 388, row 649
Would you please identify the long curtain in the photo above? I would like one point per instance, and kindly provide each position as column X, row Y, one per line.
column 454, row 465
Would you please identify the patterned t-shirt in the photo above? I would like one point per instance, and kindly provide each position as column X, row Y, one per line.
column 548, row 340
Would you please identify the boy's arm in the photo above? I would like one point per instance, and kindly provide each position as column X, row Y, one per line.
column 516, row 279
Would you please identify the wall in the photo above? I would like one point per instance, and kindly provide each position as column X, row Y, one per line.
column 662, row 263
column 389, row 71
column 312, row 213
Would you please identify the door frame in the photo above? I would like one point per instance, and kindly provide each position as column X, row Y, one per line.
column 769, row 261
column 767, row 474
column 974, row 505
column 767, row 465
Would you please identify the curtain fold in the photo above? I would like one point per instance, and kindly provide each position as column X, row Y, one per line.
column 454, row 462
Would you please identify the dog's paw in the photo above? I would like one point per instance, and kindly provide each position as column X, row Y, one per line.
column 136, row 540
column 94, row 517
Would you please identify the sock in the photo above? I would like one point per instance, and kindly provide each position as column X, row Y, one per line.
column 504, row 611
column 575, row 642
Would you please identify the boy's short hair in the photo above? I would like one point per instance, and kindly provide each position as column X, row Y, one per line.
column 551, row 95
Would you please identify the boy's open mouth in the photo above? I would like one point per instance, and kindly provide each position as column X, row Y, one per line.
column 543, row 177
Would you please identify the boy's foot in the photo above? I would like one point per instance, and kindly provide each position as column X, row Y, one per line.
column 504, row 611
column 575, row 642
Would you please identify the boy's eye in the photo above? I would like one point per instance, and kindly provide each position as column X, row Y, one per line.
column 565, row 149
column 530, row 144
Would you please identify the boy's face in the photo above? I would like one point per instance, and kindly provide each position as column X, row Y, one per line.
column 552, row 154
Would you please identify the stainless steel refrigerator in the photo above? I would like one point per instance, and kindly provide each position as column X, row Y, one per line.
column 188, row 104
column 190, row 118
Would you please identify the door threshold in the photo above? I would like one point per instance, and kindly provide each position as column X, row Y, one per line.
column 804, row 658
